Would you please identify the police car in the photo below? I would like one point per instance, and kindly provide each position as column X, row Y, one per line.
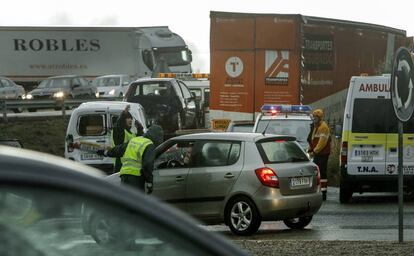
column 369, row 149
column 292, row 120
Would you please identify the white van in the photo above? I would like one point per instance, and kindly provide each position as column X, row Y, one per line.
column 369, row 155
column 90, row 127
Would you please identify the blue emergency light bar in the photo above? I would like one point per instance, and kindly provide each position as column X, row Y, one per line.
column 274, row 109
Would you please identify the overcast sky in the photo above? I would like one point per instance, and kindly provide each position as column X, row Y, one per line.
column 191, row 20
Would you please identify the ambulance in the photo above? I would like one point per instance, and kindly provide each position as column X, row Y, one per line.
column 292, row 120
column 369, row 155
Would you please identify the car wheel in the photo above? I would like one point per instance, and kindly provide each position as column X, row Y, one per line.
column 18, row 110
column 242, row 216
column 101, row 231
column 298, row 223
column 345, row 193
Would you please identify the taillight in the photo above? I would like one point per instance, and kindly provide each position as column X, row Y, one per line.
column 72, row 146
column 344, row 153
column 267, row 177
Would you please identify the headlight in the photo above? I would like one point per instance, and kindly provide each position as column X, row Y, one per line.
column 58, row 95
column 97, row 94
column 111, row 92
column 28, row 96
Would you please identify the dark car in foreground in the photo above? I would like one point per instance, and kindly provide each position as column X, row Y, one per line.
column 42, row 197
column 167, row 102
column 239, row 179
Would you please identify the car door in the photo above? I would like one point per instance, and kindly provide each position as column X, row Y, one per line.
column 190, row 105
column 171, row 173
column 217, row 165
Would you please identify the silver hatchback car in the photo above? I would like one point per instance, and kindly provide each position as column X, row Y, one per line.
column 240, row 179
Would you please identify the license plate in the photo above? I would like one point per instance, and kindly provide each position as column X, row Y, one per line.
column 91, row 157
column 300, row 181
column 366, row 152
column 366, row 158
column 89, row 147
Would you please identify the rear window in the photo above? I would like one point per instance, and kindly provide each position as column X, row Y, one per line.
column 298, row 128
column 92, row 125
column 382, row 120
column 160, row 88
column 281, row 151
column 242, row 128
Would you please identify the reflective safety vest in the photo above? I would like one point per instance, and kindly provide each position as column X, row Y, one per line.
column 132, row 159
column 127, row 136
column 321, row 139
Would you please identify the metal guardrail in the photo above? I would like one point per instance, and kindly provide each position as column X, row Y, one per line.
column 61, row 104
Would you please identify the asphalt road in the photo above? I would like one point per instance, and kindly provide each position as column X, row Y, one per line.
column 369, row 217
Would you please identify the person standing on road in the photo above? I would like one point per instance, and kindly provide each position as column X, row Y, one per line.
column 137, row 157
column 320, row 147
column 122, row 133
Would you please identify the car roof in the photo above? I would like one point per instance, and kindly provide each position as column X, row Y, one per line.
column 107, row 105
column 113, row 75
column 64, row 76
column 238, row 136
column 22, row 168
column 287, row 117
column 148, row 79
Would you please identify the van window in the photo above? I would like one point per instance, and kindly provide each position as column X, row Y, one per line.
column 92, row 125
column 376, row 116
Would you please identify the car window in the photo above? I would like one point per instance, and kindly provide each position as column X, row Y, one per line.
column 46, row 221
column 242, row 128
column 92, row 125
column 153, row 89
column 6, row 83
column 177, row 155
column 184, row 89
column 281, row 151
column 59, row 83
column 216, row 153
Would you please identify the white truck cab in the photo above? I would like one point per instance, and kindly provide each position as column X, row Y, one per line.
column 292, row 120
column 90, row 128
column 369, row 149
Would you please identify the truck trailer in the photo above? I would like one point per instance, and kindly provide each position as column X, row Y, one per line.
column 31, row 54
column 259, row 59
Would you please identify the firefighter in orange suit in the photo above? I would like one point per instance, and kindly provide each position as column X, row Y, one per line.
column 320, row 147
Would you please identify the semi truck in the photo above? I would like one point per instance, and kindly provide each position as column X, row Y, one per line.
column 31, row 54
column 259, row 59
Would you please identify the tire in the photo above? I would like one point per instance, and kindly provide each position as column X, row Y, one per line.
column 100, row 229
column 298, row 223
column 18, row 110
column 345, row 193
column 242, row 216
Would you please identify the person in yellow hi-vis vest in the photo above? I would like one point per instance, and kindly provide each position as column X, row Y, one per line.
column 320, row 147
column 121, row 133
column 137, row 157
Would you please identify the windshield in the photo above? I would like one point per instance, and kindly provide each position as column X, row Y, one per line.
column 174, row 56
column 107, row 81
column 55, row 83
column 298, row 128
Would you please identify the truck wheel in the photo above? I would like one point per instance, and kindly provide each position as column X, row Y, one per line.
column 345, row 193
column 298, row 223
column 242, row 216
